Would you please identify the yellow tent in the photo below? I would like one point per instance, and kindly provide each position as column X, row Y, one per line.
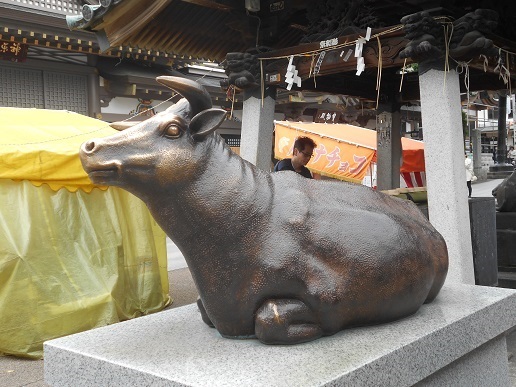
column 71, row 257
column 42, row 146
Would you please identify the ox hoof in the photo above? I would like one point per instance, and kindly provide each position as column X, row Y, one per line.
column 204, row 315
column 286, row 322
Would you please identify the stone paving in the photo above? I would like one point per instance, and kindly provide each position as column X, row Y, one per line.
column 484, row 188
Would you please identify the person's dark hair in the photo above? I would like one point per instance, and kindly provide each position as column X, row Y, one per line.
column 302, row 142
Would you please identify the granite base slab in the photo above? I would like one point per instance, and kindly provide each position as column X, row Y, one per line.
column 459, row 335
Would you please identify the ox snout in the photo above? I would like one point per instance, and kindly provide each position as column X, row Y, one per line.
column 99, row 171
column 88, row 146
column 86, row 153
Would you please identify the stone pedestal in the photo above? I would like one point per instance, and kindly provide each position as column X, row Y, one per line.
column 506, row 240
column 456, row 340
column 500, row 171
column 483, row 220
column 482, row 217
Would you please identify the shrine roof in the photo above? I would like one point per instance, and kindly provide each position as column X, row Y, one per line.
column 184, row 31
column 208, row 29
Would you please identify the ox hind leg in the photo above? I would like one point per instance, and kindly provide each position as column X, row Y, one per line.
column 204, row 315
column 286, row 321
column 440, row 260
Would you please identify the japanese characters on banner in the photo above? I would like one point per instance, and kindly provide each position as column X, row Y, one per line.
column 13, row 51
column 331, row 157
column 328, row 43
column 327, row 116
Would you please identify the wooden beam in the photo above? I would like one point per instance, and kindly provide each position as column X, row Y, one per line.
column 210, row 4
column 342, row 41
column 343, row 84
column 307, row 55
column 333, row 61
column 478, row 81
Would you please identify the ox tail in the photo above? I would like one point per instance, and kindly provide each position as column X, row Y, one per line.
column 439, row 253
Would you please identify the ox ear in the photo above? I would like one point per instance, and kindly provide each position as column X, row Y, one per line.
column 206, row 122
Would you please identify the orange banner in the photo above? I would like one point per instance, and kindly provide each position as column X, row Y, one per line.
column 332, row 157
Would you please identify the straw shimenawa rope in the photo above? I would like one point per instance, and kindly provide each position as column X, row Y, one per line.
column 379, row 72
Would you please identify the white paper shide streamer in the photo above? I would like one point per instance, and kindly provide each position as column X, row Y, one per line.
column 291, row 76
column 358, row 51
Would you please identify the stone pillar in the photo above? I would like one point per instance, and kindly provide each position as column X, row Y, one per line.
column 93, row 94
column 445, row 173
column 257, row 127
column 93, row 88
column 388, row 151
column 501, row 148
column 477, row 154
column 501, row 169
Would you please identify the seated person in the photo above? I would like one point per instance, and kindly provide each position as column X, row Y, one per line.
column 303, row 152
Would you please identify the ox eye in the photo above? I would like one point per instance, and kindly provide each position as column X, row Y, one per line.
column 172, row 131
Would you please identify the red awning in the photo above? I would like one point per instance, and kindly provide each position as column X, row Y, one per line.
column 343, row 151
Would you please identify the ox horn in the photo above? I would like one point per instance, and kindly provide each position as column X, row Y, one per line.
column 194, row 93
column 122, row 125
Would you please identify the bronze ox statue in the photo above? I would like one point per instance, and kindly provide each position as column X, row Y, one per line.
column 505, row 194
column 274, row 256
